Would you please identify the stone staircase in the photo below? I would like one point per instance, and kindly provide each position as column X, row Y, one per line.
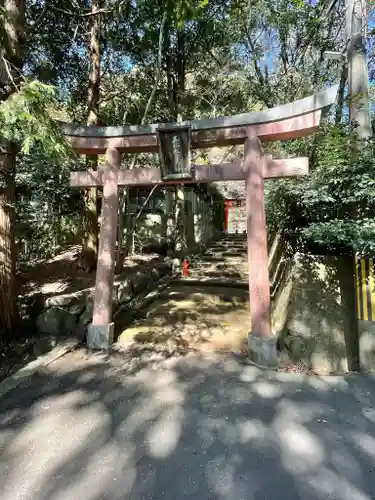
column 224, row 263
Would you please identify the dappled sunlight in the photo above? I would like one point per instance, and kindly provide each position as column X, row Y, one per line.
column 251, row 431
column 267, row 390
column 163, row 439
column 289, row 410
column 193, row 427
column 346, row 465
column 301, row 451
column 249, row 374
column 365, row 443
column 335, row 383
column 40, row 453
column 326, row 483
column 187, row 317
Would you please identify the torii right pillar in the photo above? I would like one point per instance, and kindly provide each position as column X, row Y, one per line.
column 261, row 341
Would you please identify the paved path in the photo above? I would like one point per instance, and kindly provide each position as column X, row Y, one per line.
column 187, row 428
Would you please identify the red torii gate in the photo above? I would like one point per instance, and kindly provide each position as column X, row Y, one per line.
column 288, row 121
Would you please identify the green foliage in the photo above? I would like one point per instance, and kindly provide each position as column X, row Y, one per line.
column 333, row 208
column 48, row 210
column 45, row 215
column 280, row 45
column 25, row 118
column 185, row 10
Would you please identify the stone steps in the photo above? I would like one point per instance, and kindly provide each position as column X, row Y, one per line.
column 225, row 261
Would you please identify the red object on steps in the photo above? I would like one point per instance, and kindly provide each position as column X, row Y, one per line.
column 226, row 215
column 186, row 267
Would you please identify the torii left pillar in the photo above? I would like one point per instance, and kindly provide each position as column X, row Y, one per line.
column 100, row 333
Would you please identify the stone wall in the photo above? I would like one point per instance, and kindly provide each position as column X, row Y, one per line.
column 237, row 221
column 309, row 315
column 69, row 314
column 157, row 227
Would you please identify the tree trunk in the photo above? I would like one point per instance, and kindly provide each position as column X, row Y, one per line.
column 10, row 75
column 8, row 307
column 91, row 232
column 175, row 72
column 180, row 70
column 359, row 101
column 169, row 71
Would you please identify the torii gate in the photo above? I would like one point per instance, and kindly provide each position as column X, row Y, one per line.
column 289, row 121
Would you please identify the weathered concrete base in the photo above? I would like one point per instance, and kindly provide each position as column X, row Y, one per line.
column 366, row 330
column 100, row 336
column 308, row 311
column 263, row 350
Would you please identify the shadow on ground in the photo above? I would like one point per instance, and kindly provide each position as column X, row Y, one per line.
column 186, row 428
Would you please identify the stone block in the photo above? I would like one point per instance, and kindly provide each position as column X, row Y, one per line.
column 64, row 301
column 176, row 265
column 81, row 332
column 367, row 345
column 44, row 344
column 55, row 321
column 100, row 336
column 164, row 268
column 139, row 281
column 263, row 350
column 32, row 305
column 124, row 292
column 155, row 273
column 309, row 313
column 76, row 309
column 86, row 316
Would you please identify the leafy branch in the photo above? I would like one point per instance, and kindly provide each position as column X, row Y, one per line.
column 25, row 118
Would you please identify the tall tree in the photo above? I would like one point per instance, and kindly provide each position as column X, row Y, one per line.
column 12, row 37
column 91, row 234
column 25, row 120
column 190, row 30
column 279, row 46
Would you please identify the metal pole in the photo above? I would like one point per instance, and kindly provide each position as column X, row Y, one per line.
column 359, row 102
column 360, row 124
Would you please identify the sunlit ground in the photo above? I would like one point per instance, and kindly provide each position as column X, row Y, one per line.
column 196, row 315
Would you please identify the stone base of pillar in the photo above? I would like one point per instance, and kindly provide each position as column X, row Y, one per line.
column 100, row 336
column 263, row 350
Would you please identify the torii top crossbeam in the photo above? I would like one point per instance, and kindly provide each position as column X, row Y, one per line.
column 288, row 121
